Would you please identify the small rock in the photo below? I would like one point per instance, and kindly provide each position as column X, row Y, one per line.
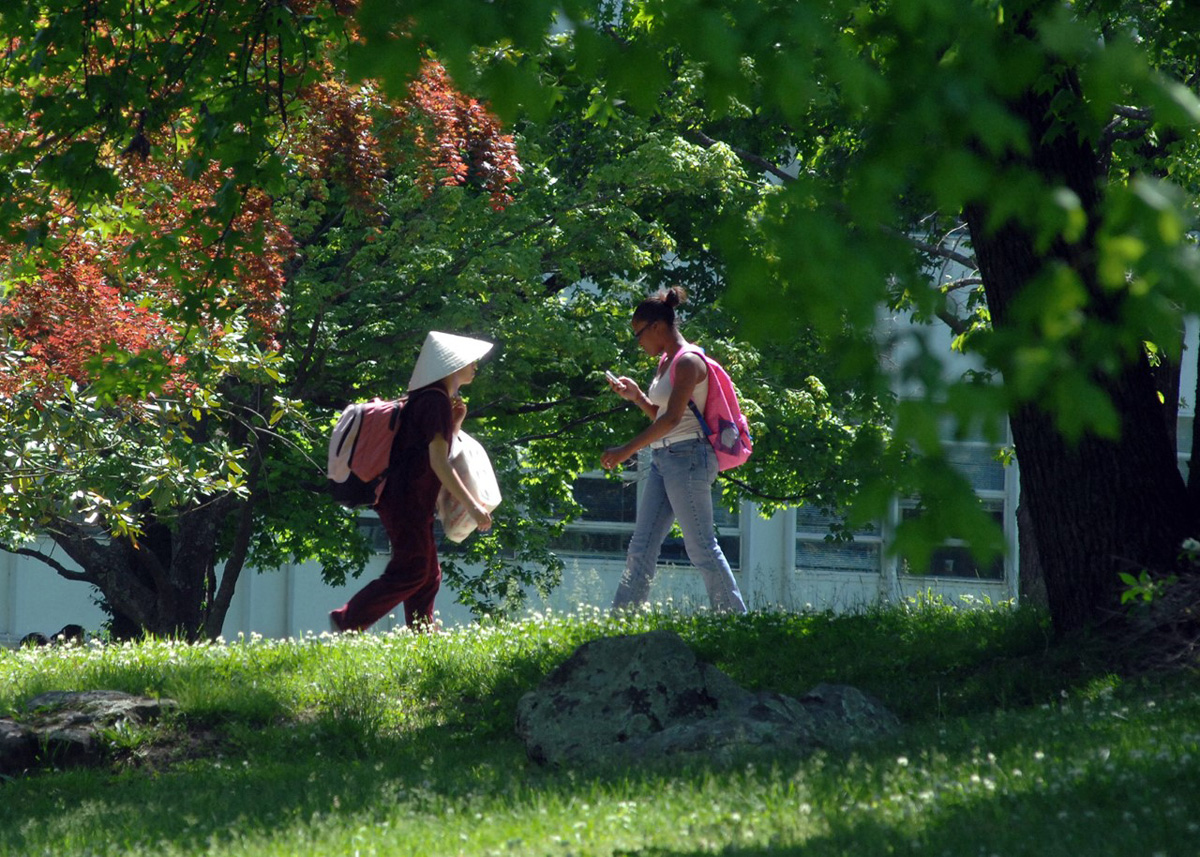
column 63, row 727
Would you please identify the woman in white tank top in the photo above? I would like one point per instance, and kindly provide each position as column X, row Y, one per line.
column 683, row 467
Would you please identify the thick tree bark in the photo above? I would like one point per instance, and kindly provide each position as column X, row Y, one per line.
column 1098, row 507
column 165, row 584
column 1032, row 584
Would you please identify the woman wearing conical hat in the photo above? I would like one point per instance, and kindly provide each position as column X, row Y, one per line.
column 419, row 467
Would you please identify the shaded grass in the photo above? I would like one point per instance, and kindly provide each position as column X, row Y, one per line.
column 404, row 745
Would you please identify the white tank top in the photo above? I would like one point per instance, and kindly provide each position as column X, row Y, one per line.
column 660, row 394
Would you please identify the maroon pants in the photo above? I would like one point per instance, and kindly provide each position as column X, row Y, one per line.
column 413, row 574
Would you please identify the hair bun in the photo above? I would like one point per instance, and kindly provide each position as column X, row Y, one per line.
column 674, row 296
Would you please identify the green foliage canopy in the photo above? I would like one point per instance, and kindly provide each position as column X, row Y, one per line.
column 895, row 110
column 129, row 476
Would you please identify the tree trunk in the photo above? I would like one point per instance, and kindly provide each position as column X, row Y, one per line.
column 1098, row 507
column 164, row 584
column 1031, row 587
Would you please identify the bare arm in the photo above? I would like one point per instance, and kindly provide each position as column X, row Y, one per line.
column 689, row 371
column 439, row 460
column 628, row 390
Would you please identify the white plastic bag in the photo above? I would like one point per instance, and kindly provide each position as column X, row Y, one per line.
column 471, row 462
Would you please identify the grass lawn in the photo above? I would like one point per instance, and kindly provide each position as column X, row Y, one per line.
column 399, row 744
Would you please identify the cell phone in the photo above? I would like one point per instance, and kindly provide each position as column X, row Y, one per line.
column 611, row 377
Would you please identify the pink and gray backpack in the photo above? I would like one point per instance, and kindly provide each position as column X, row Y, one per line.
column 360, row 447
column 360, row 450
column 722, row 421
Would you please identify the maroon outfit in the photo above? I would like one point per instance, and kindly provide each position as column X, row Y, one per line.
column 406, row 509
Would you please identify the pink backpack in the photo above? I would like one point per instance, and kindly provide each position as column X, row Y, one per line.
column 722, row 421
column 360, row 450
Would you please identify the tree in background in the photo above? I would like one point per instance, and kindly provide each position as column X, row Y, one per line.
column 144, row 278
column 136, row 486
column 144, row 268
column 1017, row 117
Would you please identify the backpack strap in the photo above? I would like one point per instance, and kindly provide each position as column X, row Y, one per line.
column 692, row 348
column 404, row 401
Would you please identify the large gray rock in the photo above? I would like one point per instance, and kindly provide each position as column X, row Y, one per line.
column 64, row 727
column 18, row 747
column 646, row 696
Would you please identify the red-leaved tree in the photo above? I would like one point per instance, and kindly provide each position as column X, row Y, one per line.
column 148, row 336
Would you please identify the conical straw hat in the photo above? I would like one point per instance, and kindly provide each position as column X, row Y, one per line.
column 443, row 354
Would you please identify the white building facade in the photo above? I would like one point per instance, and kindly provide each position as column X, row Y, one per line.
column 783, row 562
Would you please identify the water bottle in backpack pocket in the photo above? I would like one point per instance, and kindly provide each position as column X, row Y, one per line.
column 722, row 421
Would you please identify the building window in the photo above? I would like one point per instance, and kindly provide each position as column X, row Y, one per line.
column 864, row 551
column 604, row 528
column 952, row 558
column 817, row 552
column 372, row 528
column 979, row 462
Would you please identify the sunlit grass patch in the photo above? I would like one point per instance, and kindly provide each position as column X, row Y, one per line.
column 403, row 744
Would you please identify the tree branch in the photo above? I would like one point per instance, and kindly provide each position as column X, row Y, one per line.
column 962, row 283
column 702, row 139
column 957, row 325
column 588, row 418
column 754, row 492
column 59, row 568
column 1112, row 131
column 236, row 561
column 1138, row 114
column 78, row 543
column 151, row 564
column 941, row 252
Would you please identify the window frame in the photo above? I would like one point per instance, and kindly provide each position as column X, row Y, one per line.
column 1000, row 499
column 725, row 531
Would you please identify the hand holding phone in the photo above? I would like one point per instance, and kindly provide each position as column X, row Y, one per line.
column 612, row 379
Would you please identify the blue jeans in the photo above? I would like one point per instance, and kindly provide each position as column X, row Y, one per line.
column 678, row 485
